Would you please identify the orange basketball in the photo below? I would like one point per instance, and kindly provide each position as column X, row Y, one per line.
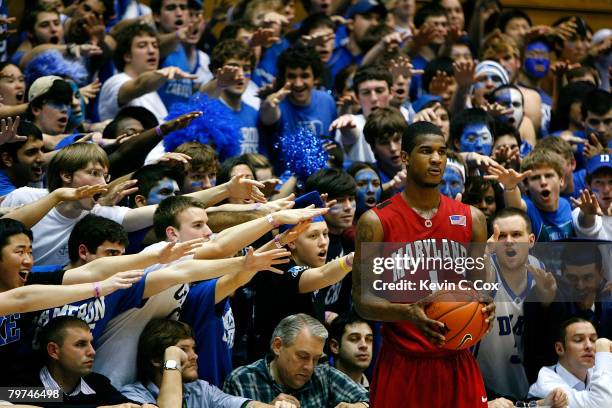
column 461, row 312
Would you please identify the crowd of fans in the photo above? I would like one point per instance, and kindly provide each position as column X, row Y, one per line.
column 180, row 195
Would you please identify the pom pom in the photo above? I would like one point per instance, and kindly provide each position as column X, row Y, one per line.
column 52, row 62
column 302, row 151
column 215, row 127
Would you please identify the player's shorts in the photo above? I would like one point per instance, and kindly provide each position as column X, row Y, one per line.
column 412, row 381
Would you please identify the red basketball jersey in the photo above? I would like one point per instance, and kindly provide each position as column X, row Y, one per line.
column 447, row 235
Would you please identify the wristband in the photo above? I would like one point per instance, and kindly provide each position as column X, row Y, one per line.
column 343, row 266
column 270, row 219
column 96, row 287
column 277, row 241
column 509, row 190
column 257, row 206
column 348, row 261
column 159, row 132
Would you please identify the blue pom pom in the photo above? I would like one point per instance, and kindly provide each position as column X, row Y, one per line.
column 215, row 126
column 52, row 62
column 302, row 151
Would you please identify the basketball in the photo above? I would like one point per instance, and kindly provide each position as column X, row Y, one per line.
column 461, row 313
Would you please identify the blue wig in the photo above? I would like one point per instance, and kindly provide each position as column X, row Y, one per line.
column 52, row 62
column 302, row 151
column 215, row 127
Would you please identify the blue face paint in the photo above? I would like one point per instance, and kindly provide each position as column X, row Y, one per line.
column 476, row 138
column 368, row 190
column 537, row 60
column 163, row 189
column 452, row 183
column 511, row 98
column 76, row 118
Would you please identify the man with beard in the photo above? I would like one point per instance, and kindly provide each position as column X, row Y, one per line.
column 419, row 216
column 22, row 162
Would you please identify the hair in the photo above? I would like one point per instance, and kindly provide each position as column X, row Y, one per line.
column 344, row 79
column 371, row 73
column 156, row 337
column 251, row 7
column 25, row 128
column 506, row 129
column 557, row 145
column 584, row 254
column 167, row 211
column 224, row 174
column 505, row 17
column 149, row 176
column 382, row 124
column 596, row 101
column 356, row 167
column 562, row 333
column 146, row 118
column 125, row 36
column 498, row 43
column 55, row 331
column 202, row 155
column 428, row 10
column 336, row 183
column 298, row 56
column 584, row 69
column 91, row 231
column 372, row 36
column 228, row 49
column 338, row 326
column 511, row 212
column 29, row 18
column 72, row 158
column 10, row 227
column 416, row 130
column 289, row 328
column 468, row 117
column 314, row 21
column 569, row 94
column 258, row 161
column 231, row 30
column 540, row 158
column 440, row 64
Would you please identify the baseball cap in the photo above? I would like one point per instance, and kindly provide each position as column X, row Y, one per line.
column 366, row 6
column 41, row 86
column 599, row 162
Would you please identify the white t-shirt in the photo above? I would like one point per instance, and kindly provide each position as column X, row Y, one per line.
column 602, row 229
column 360, row 150
column 250, row 95
column 50, row 246
column 109, row 106
column 117, row 347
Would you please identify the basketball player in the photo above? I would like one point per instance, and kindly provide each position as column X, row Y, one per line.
column 412, row 369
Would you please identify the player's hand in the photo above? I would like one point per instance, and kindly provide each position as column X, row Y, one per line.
column 557, row 398
column 286, row 397
column 432, row 329
column 500, row 403
column 546, row 284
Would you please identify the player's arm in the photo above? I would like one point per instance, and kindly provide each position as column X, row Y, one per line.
column 371, row 306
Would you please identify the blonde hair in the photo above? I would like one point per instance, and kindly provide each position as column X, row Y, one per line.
column 255, row 5
column 499, row 43
column 541, row 158
column 72, row 158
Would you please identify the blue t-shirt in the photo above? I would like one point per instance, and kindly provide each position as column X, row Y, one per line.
column 214, row 328
column 342, row 58
column 546, row 112
column 416, row 84
column 579, row 177
column 246, row 118
column 551, row 225
column 6, row 185
column 317, row 116
column 176, row 90
column 266, row 70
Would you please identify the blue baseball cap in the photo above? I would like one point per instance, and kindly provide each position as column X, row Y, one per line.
column 304, row 201
column 599, row 162
column 366, row 6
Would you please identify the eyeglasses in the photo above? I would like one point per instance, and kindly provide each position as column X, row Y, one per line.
column 97, row 173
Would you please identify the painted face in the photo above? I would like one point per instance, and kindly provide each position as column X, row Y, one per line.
column 52, row 118
column 487, row 82
column 199, row 179
column 537, row 60
column 511, row 98
column 165, row 188
column 452, row 182
column 368, row 190
column 476, row 138
column 78, row 107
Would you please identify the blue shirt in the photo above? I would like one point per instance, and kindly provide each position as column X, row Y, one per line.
column 246, row 117
column 176, row 90
column 317, row 116
column 579, row 177
column 6, row 185
column 266, row 71
column 416, row 85
column 214, row 328
column 551, row 225
column 342, row 58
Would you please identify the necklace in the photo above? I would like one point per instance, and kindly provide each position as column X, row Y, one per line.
column 426, row 214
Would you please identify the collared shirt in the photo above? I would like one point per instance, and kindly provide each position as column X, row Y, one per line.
column 196, row 394
column 596, row 392
column 49, row 383
column 327, row 387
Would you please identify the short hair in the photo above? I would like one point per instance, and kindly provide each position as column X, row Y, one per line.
column 146, row 118
column 333, row 182
column 356, row 167
column 202, row 155
column 580, row 255
column 289, row 328
column 167, row 211
column 156, row 337
column 428, row 10
column 511, row 212
column 224, row 174
column 231, row 30
column 557, row 145
column 596, row 101
column 228, row 49
column 91, row 231
column 26, row 128
column 382, row 124
column 540, row 158
column 505, row 17
column 499, row 43
column 440, row 64
column 338, row 326
column 581, row 71
column 316, row 20
column 506, row 129
column 72, row 158
column 148, row 176
column 55, row 331
column 29, row 18
column 416, row 130
column 10, row 227
column 298, row 56
column 125, row 36
column 562, row 333
column 371, row 73
column 251, row 7
column 469, row 117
